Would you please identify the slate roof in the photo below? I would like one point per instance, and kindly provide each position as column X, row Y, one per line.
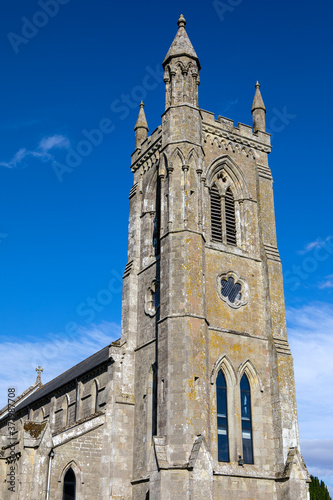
column 76, row 371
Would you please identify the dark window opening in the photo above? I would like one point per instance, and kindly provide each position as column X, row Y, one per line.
column 230, row 218
column 157, row 219
column 231, row 289
column 246, row 420
column 154, row 403
column 69, row 485
column 216, row 219
column 222, row 418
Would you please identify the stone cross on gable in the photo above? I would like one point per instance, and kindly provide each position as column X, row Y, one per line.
column 39, row 369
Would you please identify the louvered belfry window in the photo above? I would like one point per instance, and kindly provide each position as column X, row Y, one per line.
column 230, row 218
column 216, row 219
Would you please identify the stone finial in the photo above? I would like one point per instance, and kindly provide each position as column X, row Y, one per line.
column 181, row 21
column 39, row 370
column 141, row 127
column 258, row 111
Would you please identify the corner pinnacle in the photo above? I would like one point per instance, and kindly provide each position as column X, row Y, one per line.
column 258, row 102
column 141, row 121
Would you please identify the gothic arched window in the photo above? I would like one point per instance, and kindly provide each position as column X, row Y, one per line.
column 246, row 420
column 215, row 210
column 69, row 485
column 230, row 218
column 222, row 418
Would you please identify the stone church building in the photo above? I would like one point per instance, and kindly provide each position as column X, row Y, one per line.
column 196, row 400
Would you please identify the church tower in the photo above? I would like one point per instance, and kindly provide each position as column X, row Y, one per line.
column 207, row 379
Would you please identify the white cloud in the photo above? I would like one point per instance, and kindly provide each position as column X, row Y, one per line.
column 41, row 152
column 56, row 355
column 328, row 283
column 318, row 243
column 311, row 340
column 55, row 141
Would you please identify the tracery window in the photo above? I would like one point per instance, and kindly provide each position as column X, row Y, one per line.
column 222, row 418
column 246, row 420
column 69, row 485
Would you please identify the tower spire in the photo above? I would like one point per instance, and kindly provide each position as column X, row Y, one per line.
column 258, row 111
column 181, row 45
column 181, row 70
column 141, row 127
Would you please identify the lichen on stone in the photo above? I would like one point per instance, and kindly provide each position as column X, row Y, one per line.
column 34, row 428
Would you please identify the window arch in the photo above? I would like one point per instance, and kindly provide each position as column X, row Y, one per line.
column 215, row 209
column 230, row 217
column 246, row 413
column 222, row 418
column 69, row 490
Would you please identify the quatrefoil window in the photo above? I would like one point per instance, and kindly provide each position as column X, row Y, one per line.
column 233, row 289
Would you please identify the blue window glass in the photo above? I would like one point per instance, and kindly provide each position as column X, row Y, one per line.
column 246, row 420
column 222, row 418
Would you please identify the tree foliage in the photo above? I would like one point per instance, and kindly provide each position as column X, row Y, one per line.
column 318, row 490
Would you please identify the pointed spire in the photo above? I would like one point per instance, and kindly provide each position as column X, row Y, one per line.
column 181, row 46
column 258, row 103
column 141, row 122
column 141, row 127
column 258, row 111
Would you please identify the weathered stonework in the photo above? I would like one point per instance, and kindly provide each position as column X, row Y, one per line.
column 139, row 419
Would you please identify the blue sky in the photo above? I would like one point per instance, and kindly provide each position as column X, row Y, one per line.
column 64, row 201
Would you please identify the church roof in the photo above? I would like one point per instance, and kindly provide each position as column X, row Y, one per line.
column 181, row 46
column 21, row 397
column 76, row 371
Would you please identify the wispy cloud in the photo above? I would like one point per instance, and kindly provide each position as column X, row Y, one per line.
column 318, row 243
column 328, row 283
column 311, row 340
column 229, row 105
column 42, row 152
column 55, row 141
column 55, row 354
column 18, row 124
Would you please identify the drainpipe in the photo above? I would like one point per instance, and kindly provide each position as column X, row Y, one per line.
column 51, row 455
